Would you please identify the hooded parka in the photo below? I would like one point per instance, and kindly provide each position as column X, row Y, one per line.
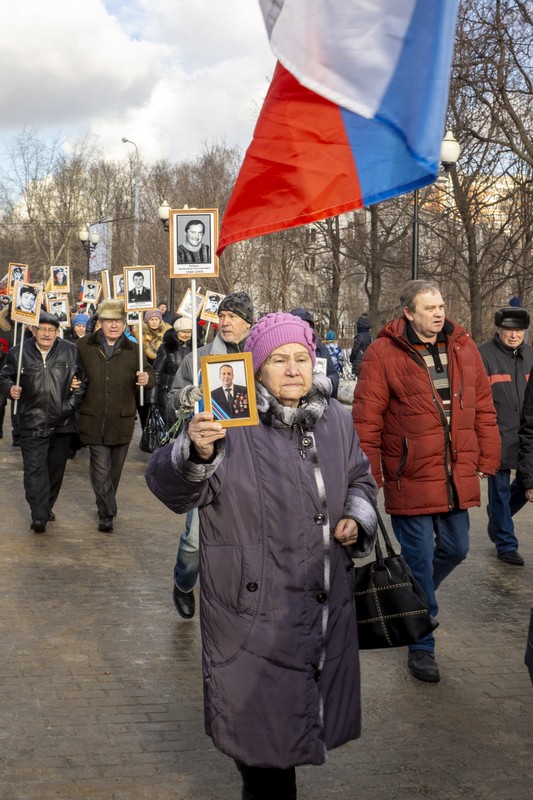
column 279, row 633
column 425, row 465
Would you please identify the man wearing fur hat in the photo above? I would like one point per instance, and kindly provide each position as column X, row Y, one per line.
column 52, row 386
column 509, row 362
column 236, row 317
column 107, row 415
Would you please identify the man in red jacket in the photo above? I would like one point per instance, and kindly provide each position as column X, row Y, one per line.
column 424, row 414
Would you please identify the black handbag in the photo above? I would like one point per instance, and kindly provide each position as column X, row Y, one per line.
column 392, row 609
column 154, row 430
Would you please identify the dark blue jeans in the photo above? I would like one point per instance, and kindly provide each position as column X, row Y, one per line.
column 505, row 499
column 433, row 545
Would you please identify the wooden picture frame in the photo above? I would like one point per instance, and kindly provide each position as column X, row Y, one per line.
column 105, row 280
column 16, row 272
column 59, row 306
column 22, row 310
column 209, row 312
column 234, row 371
column 185, row 307
column 193, row 242
column 90, row 291
column 60, row 279
column 139, row 288
column 118, row 286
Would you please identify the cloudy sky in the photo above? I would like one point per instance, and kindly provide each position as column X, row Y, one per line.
column 168, row 74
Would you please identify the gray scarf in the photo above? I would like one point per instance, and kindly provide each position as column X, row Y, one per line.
column 305, row 416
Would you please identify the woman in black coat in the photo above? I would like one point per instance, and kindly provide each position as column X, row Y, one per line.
column 176, row 345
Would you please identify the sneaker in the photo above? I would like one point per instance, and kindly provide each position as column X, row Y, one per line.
column 511, row 557
column 423, row 666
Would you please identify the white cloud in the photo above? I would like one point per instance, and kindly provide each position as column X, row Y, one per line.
column 168, row 74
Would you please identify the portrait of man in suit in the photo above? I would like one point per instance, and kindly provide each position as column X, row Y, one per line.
column 139, row 293
column 229, row 400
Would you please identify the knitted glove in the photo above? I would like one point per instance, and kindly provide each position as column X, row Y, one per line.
column 189, row 395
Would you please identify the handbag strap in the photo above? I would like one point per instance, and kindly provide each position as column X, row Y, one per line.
column 386, row 538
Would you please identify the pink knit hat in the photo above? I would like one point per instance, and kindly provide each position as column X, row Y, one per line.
column 275, row 330
column 155, row 312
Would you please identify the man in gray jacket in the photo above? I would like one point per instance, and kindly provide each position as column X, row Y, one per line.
column 236, row 316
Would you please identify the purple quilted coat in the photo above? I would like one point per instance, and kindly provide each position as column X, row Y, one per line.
column 281, row 659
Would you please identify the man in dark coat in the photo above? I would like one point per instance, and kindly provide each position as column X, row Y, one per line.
column 52, row 386
column 361, row 341
column 236, row 316
column 107, row 415
column 509, row 362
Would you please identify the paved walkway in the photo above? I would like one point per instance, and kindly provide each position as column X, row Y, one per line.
column 100, row 680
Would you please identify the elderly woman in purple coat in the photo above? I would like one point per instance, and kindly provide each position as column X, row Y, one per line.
column 279, row 503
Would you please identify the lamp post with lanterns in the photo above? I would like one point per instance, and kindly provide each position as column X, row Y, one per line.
column 449, row 154
column 89, row 242
column 136, row 202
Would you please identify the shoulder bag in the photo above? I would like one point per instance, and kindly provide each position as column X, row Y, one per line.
column 392, row 609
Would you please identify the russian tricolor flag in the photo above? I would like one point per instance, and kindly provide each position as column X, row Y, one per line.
column 354, row 114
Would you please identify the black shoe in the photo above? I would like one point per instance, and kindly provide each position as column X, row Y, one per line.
column 511, row 557
column 38, row 525
column 105, row 524
column 184, row 602
column 423, row 666
column 51, row 516
column 490, row 532
column 16, row 442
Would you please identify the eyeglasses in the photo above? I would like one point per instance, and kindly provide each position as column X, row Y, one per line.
column 46, row 330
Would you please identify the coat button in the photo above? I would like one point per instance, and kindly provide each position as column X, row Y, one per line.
column 320, row 519
column 321, row 598
column 252, row 586
column 306, row 441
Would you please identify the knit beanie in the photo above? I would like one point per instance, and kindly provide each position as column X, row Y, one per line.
column 80, row 319
column 330, row 336
column 183, row 324
column 154, row 313
column 275, row 330
column 238, row 303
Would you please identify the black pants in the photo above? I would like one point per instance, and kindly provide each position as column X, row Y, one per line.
column 267, row 783
column 44, row 459
column 105, row 469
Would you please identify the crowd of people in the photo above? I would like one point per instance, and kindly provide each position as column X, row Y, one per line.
column 277, row 514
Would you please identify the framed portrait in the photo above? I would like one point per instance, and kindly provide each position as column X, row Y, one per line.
column 105, row 280
column 90, row 291
column 16, row 272
column 185, row 307
column 58, row 305
column 139, row 286
column 60, row 279
column 228, row 387
column 133, row 317
column 193, row 242
column 118, row 287
column 28, row 301
column 209, row 312
column 321, row 366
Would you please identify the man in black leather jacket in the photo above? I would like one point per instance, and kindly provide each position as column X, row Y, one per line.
column 51, row 387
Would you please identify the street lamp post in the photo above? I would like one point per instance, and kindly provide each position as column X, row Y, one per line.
column 449, row 154
column 137, row 201
column 89, row 242
column 164, row 216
